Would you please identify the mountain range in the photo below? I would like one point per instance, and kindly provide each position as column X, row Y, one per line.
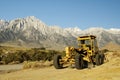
column 32, row 32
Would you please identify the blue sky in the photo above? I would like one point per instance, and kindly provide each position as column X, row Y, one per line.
column 65, row 13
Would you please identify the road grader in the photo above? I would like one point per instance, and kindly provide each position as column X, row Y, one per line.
column 88, row 52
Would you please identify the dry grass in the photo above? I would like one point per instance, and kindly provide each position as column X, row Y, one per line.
column 108, row 71
column 112, row 55
column 36, row 64
column 116, row 54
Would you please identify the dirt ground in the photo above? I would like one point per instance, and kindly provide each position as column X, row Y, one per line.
column 108, row 71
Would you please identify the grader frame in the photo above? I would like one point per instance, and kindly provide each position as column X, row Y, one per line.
column 87, row 52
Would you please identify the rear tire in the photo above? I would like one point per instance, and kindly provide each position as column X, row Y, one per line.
column 56, row 62
column 79, row 63
column 99, row 59
column 102, row 58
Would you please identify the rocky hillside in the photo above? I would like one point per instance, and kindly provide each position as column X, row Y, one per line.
column 112, row 47
column 31, row 32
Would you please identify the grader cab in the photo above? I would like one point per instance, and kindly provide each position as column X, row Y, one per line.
column 87, row 52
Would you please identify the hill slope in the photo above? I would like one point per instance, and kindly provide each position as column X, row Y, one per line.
column 112, row 46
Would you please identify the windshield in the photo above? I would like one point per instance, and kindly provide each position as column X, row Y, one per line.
column 84, row 42
column 87, row 42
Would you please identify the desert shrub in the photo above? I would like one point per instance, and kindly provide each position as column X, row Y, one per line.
column 42, row 48
column 25, row 56
column 18, row 57
column 21, row 56
column 0, row 56
column 34, row 54
column 37, row 56
column 50, row 54
column 42, row 55
column 104, row 50
column 7, row 58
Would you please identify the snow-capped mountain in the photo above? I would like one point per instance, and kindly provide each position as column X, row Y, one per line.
column 3, row 24
column 31, row 32
column 114, row 31
column 74, row 31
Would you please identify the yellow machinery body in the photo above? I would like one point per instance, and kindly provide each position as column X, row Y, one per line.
column 86, row 52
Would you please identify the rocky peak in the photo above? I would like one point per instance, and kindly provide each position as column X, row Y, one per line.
column 28, row 23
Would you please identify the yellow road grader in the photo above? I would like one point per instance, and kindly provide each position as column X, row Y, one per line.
column 87, row 52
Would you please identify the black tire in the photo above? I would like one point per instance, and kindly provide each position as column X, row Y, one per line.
column 56, row 62
column 79, row 63
column 102, row 58
column 85, row 64
column 97, row 59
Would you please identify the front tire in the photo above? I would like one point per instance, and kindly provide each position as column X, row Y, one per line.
column 85, row 64
column 56, row 61
column 79, row 63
